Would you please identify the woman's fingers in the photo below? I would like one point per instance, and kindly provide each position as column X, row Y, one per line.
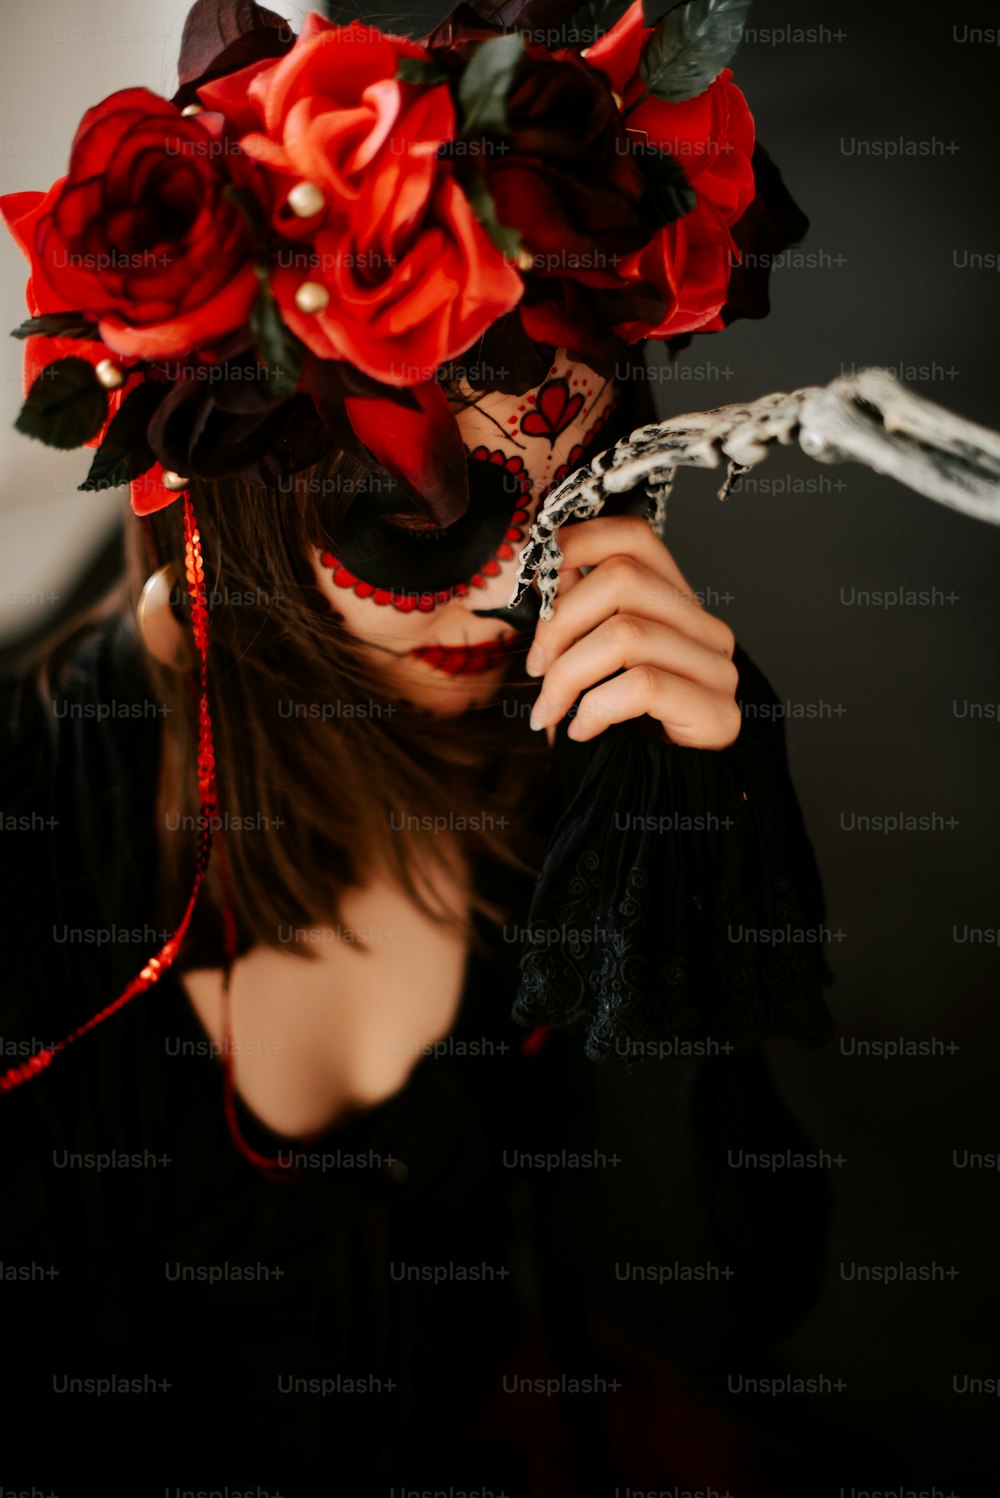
column 628, row 637
column 690, row 714
column 623, row 584
column 620, row 643
column 588, row 542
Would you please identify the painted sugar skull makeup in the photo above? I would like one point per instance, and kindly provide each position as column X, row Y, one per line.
column 517, row 449
column 409, row 588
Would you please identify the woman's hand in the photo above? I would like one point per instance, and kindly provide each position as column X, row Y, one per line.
column 635, row 614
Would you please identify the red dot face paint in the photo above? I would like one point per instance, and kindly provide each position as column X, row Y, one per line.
column 390, row 553
column 399, row 559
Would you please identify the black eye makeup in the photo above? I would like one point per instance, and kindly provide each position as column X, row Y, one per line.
column 388, row 550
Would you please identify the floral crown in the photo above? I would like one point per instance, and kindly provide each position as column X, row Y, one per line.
column 298, row 250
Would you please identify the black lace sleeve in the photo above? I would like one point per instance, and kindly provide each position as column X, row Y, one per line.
column 679, row 900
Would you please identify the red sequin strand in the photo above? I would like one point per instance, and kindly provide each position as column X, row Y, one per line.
column 208, row 806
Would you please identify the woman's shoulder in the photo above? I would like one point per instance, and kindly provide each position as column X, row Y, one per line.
column 93, row 675
column 85, row 657
column 79, row 748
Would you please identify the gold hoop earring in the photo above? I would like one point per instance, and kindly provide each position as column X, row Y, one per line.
column 163, row 635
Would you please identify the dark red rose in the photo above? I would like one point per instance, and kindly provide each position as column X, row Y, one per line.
column 563, row 173
column 21, row 212
column 139, row 234
column 565, row 177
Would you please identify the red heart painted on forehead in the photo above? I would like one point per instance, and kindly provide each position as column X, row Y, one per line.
column 555, row 410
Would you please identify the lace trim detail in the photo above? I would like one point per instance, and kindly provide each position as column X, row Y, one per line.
column 710, row 938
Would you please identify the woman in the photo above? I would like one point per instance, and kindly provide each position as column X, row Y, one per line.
column 428, row 1239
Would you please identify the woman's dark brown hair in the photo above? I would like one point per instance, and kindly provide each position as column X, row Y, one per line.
column 324, row 775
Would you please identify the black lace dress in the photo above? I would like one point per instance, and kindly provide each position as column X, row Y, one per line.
column 518, row 1274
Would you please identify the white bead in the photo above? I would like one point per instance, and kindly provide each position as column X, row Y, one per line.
column 306, row 200
column 311, row 297
column 110, row 374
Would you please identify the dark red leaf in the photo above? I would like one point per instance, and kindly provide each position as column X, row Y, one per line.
column 773, row 223
column 224, row 35
column 329, row 380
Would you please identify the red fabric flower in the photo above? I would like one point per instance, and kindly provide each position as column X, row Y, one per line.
column 562, row 174
column 21, row 211
column 139, row 235
column 712, row 137
column 413, row 278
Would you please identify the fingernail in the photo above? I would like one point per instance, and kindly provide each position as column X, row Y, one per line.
column 533, row 661
column 539, row 714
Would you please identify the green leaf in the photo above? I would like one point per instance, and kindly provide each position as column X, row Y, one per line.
column 690, row 47
column 421, row 70
column 280, row 350
column 653, row 11
column 508, row 241
column 57, row 325
column 125, row 452
column 66, row 406
column 486, row 83
column 668, row 194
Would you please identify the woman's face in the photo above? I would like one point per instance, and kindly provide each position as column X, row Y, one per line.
column 408, row 590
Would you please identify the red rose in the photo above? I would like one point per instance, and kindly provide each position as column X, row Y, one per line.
column 138, row 235
column 562, row 174
column 21, row 211
column 412, row 277
column 712, row 137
